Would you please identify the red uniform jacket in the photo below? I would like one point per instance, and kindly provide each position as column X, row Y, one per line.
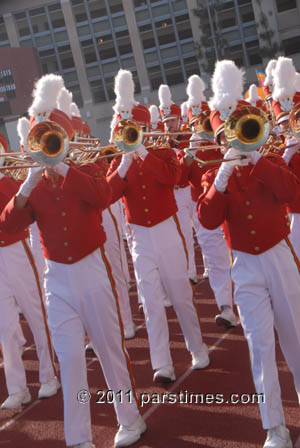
column 294, row 166
column 178, row 146
column 253, row 208
column 148, row 187
column 8, row 188
column 194, row 172
column 68, row 213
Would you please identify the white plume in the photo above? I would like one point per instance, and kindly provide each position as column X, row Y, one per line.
column 269, row 72
column 45, row 94
column 184, row 109
column 284, row 78
column 227, row 85
column 74, row 110
column 113, row 123
column 154, row 113
column 164, row 96
column 297, row 83
column 253, row 95
column 64, row 101
column 124, row 90
column 195, row 90
column 23, row 128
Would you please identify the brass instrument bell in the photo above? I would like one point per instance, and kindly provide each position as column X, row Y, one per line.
column 247, row 128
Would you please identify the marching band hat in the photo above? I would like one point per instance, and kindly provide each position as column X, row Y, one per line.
column 227, row 86
column 168, row 109
column 44, row 106
column 23, row 128
column 285, row 94
column 125, row 106
column 268, row 82
column 196, row 100
column 156, row 123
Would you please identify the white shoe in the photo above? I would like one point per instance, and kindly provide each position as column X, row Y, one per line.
column 129, row 331
column 49, row 389
column 164, row 375
column 85, row 445
column 15, row 401
column 194, row 280
column 205, row 273
column 227, row 318
column 89, row 347
column 167, row 302
column 127, row 435
column 141, row 309
column 200, row 359
column 278, row 437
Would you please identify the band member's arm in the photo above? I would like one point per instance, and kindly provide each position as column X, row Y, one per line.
column 212, row 204
column 116, row 176
column 273, row 173
column 89, row 184
column 164, row 167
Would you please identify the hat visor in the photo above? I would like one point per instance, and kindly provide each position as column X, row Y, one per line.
column 170, row 117
column 284, row 118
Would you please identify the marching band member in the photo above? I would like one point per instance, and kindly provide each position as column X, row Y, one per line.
column 66, row 201
column 114, row 247
column 248, row 197
column 254, row 99
column 145, row 180
column 171, row 118
column 184, row 116
column 285, row 96
column 20, row 290
column 212, row 242
column 268, row 81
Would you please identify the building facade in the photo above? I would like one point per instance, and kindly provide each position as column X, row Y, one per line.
column 159, row 41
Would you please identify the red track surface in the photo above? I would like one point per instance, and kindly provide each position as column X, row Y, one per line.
column 178, row 425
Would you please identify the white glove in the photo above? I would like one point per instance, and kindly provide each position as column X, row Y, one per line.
column 226, row 168
column 61, row 168
column 126, row 161
column 142, row 152
column 33, row 177
column 253, row 157
column 289, row 152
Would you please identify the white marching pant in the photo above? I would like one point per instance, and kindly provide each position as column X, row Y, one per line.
column 37, row 252
column 80, row 300
column 267, row 291
column 113, row 248
column 295, row 232
column 160, row 264
column 19, row 290
column 185, row 217
column 217, row 259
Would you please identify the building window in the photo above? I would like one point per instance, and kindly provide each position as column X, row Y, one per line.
column 3, row 33
column 291, row 46
column 97, row 91
column 284, row 5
